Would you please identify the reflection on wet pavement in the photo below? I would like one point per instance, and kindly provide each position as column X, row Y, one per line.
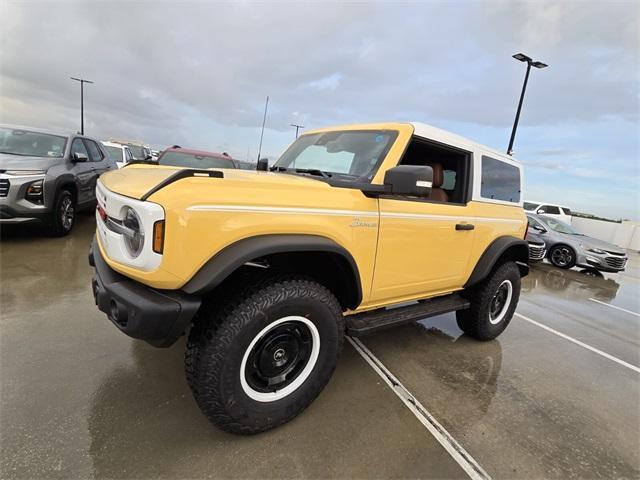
column 544, row 279
column 81, row 400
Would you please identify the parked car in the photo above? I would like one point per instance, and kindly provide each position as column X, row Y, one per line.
column 537, row 246
column 118, row 152
column 186, row 157
column 550, row 209
column 567, row 248
column 267, row 270
column 46, row 177
column 140, row 150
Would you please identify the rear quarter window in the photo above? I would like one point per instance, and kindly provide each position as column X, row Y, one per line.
column 500, row 180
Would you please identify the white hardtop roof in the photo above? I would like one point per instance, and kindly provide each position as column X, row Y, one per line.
column 112, row 144
column 437, row 134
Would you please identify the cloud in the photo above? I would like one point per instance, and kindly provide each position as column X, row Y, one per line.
column 330, row 82
column 197, row 73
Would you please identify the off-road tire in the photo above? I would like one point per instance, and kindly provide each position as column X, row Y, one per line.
column 556, row 263
column 223, row 333
column 476, row 321
column 57, row 226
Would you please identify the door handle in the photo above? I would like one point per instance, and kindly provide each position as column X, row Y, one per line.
column 464, row 226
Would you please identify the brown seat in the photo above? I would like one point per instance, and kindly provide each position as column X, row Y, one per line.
column 437, row 193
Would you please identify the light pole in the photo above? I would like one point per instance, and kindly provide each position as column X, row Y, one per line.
column 82, row 82
column 298, row 127
column 530, row 63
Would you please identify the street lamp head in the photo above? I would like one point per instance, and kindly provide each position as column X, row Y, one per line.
column 539, row 65
column 522, row 57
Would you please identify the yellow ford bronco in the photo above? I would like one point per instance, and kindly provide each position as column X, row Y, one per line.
column 354, row 229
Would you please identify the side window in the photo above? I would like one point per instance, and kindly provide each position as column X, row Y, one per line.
column 500, row 180
column 78, row 147
column 449, row 164
column 550, row 209
column 449, row 180
column 95, row 154
column 534, row 223
column 128, row 154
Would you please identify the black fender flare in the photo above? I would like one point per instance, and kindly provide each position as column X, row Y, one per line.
column 517, row 249
column 60, row 182
column 225, row 262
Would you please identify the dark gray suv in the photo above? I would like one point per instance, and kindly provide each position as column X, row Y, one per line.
column 46, row 177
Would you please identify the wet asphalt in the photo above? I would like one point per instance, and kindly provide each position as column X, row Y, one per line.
column 81, row 400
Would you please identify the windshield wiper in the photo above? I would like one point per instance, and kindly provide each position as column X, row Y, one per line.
column 21, row 154
column 313, row 171
column 310, row 171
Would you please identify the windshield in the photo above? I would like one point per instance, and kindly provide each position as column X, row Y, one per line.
column 530, row 206
column 114, row 152
column 183, row 159
column 560, row 227
column 137, row 151
column 31, row 144
column 347, row 154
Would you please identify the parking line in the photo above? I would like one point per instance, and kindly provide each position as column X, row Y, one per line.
column 581, row 344
column 613, row 306
column 459, row 454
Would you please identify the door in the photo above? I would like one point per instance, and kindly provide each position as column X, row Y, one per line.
column 101, row 163
column 83, row 171
column 423, row 248
column 424, row 244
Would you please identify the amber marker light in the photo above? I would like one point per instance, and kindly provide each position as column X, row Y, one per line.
column 158, row 236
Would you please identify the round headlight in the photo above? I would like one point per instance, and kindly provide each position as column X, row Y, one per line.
column 133, row 234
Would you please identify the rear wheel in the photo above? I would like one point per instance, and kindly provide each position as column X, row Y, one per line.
column 492, row 304
column 260, row 360
column 63, row 216
column 562, row 256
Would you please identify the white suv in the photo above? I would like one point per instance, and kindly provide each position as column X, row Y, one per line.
column 549, row 209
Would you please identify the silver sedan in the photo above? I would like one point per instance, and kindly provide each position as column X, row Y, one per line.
column 567, row 248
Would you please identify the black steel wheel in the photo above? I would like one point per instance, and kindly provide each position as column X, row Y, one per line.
column 258, row 359
column 493, row 303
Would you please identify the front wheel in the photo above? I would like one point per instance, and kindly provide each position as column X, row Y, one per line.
column 562, row 256
column 259, row 361
column 492, row 304
column 63, row 216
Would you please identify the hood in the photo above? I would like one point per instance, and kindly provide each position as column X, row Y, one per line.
column 20, row 162
column 590, row 242
column 136, row 180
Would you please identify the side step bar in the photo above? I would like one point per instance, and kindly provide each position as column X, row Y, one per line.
column 362, row 323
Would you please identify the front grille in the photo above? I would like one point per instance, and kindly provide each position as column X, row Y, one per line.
column 536, row 252
column 4, row 187
column 616, row 253
column 616, row 262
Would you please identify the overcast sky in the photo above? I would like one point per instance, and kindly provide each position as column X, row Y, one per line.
column 197, row 74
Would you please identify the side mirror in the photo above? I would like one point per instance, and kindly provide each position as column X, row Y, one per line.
column 262, row 165
column 148, row 157
column 541, row 211
column 539, row 228
column 80, row 157
column 412, row 180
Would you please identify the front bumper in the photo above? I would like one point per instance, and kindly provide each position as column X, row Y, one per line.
column 537, row 252
column 14, row 207
column 604, row 262
column 159, row 317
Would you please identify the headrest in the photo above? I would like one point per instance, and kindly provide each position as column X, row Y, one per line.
column 438, row 175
